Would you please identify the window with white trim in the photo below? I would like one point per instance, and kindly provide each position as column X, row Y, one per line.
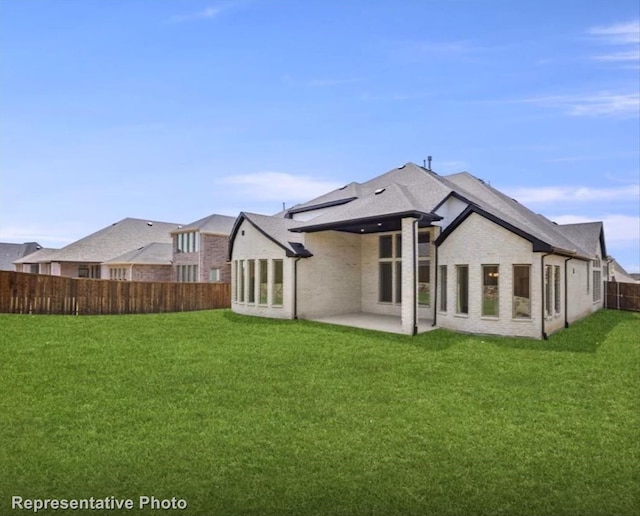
column 390, row 268
column 462, row 284
column 522, row 291
column 443, row 288
column 187, row 242
column 424, row 269
column 556, row 289
column 490, row 291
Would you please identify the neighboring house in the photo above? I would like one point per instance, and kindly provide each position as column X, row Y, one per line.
column 152, row 262
column 617, row 272
column 9, row 253
column 36, row 263
column 427, row 250
column 89, row 256
column 200, row 250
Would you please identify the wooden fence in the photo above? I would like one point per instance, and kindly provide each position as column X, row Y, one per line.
column 22, row 293
column 623, row 296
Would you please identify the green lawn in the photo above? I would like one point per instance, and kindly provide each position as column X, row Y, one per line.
column 239, row 415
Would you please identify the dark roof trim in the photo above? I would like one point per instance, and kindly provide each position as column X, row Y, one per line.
column 453, row 194
column 602, row 244
column 538, row 245
column 365, row 220
column 327, row 204
column 303, row 253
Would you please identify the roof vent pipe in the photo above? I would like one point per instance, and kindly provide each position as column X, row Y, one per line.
column 429, row 162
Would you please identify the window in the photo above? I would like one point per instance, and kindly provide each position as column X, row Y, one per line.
column 443, row 288
column 278, row 274
column 263, row 276
column 34, row 268
column 390, row 269
column 187, row 273
column 556, row 289
column 234, row 292
column 215, row 275
column 462, row 299
column 424, row 270
column 490, row 291
column 522, row 291
column 597, row 286
column 548, row 289
column 89, row 271
column 187, row 242
column 251, row 296
column 118, row 273
column 241, row 269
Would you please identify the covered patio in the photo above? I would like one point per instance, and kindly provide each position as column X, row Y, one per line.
column 377, row 322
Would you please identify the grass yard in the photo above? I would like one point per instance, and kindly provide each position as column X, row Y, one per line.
column 238, row 415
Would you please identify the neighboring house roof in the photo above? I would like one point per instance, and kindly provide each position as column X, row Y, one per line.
column 275, row 229
column 410, row 190
column 42, row 256
column 151, row 254
column 9, row 253
column 115, row 240
column 213, row 224
column 619, row 274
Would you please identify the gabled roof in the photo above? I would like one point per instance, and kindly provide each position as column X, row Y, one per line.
column 410, row 190
column 588, row 235
column 42, row 256
column 9, row 253
column 276, row 229
column 213, row 224
column 151, row 254
column 115, row 240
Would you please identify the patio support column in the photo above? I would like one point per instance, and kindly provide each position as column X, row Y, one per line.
column 409, row 302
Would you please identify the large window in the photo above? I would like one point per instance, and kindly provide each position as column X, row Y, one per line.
column 234, row 293
column 187, row 273
column 597, row 286
column 424, row 270
column 390, row 269
column 548, row 289
column 556, row 289
column 187, row 242
column 443, row 288
column 277, row 283
column 251, row 296
column 462, row 298
column 118, row 273
column 522, row 291
column 215, row 275
column 89, row 271
column 490, row 291
column 241, row 270
column 263, row 276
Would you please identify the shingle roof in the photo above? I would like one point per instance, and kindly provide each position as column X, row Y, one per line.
column 411, row 189
column 41, row 256
column 9, row 253
column 214, row 224
column 151, row 254
column 115, row 240
column 586, row 235
column 276, row 229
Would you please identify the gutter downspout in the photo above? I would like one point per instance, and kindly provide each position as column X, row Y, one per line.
column 543, row 298
column 295, row 287
column 414, row 239
column 435, row 289
column 566, row 293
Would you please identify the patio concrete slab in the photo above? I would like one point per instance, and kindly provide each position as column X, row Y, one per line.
column 368, row 321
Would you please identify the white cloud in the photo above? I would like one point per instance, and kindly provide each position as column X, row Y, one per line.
column 554, row 194
column 602, row 104
column 280, row 186
column 208, row 13
column 624, row 36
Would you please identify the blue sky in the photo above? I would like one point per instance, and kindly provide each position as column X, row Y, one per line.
column 175, row 109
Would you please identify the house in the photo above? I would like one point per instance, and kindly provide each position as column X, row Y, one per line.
column 151, row 262
column 9, row 253
column 200, row 250
column 618, row 273
column 418, row 250
column 37, row 262
column 91, row 256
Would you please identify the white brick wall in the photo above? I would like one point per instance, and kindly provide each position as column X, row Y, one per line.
column 475, row 242
column 250, row 244
column 329, row 282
